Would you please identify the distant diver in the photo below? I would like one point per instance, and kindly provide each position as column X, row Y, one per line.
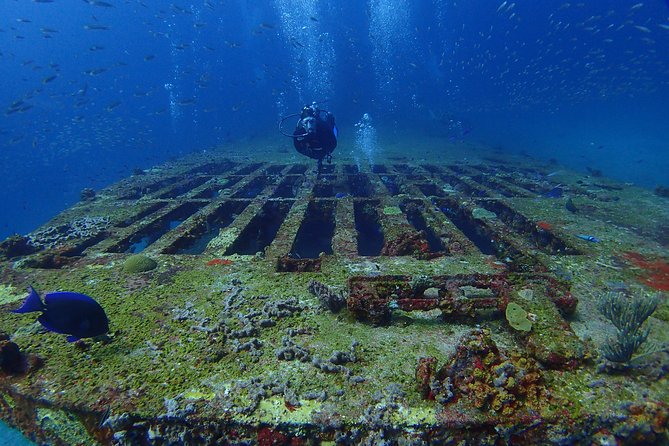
column 315, row 133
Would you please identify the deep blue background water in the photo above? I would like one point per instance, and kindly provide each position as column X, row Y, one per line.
column 140, row 81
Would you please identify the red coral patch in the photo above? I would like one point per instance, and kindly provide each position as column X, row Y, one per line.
column 215, row 262
column 544, row 225
column 656, row 271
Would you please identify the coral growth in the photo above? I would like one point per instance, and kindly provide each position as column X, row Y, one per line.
column 15, row 246
column 271, row 437
column 81, row 228
column 87, row 194
column 138, row 264
column 425, row 372
column 290, row 264
column 517, row 317
column 223, row 347
column 461, row 295
column 392, row 210
column 483, row 381
column 329, row 298
column 406, row 243
column 419, row 284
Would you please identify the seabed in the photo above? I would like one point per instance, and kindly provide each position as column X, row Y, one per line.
column 366, row 304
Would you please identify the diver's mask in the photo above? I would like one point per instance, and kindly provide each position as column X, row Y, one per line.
column 309, row 124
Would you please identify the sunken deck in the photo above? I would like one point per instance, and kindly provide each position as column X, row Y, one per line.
column 228, row 340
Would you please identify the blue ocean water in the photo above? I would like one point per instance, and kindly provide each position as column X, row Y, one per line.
column 12, row 437
column 92, row 90
column 95, row 89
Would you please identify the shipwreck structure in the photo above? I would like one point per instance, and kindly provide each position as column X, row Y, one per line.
column 414, row 301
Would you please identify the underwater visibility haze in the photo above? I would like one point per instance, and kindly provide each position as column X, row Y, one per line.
column 547, row 113
column 92, row 90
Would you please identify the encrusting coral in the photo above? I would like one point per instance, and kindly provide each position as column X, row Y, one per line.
column 138, row 264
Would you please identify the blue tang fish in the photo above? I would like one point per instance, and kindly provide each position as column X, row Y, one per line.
column 68, row 313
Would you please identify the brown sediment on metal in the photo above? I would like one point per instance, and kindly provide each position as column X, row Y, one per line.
column 400, row 238
column 301, row 191
column 453, row 239
column 281, row 246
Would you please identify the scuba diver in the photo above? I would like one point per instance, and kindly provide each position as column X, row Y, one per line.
column 315, row 134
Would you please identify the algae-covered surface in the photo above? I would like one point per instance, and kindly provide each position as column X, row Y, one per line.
column 226, row 344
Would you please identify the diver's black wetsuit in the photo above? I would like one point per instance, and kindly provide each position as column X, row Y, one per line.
column 319, row 140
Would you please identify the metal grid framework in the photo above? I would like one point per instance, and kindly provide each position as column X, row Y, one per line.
column 296, row 217
column 293, row 214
